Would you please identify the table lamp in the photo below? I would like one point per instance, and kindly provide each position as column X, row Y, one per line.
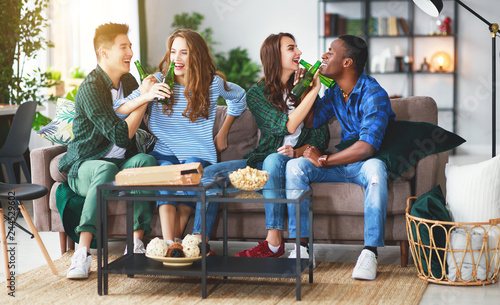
column 433, row 8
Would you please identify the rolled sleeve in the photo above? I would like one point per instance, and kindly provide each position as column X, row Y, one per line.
column 235, row 98
column 375, row 119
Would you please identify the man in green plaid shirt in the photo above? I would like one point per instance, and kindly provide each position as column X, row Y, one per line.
column 103, row 144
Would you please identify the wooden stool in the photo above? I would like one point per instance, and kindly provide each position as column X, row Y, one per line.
column 16, row 193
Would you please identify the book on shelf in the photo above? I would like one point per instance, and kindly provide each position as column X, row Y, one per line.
column 372, row 26
column 354, row 27
column 341, row 26
column 392, row 26
column 334, row 20
column 403, row 26
column 327, row 25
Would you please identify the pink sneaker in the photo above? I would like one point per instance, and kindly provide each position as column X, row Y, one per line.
column 262, row 250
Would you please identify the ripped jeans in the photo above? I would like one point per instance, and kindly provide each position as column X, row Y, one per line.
column 370, row 174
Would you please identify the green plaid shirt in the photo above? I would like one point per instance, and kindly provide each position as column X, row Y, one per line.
column 95, row 125
column 272, row 125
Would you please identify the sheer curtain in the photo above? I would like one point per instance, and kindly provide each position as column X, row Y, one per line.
column 72, row 28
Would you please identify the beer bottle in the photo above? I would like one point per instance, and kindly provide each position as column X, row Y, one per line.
column 304, row 83
column 323, row 79
column 142, row 74
column 169, row 80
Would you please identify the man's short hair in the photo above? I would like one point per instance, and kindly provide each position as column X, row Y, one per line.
column 356, row 49
column 105, row 35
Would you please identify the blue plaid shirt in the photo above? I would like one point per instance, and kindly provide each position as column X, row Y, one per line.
column 365, row 114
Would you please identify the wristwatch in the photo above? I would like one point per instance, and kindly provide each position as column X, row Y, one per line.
column 322, row 160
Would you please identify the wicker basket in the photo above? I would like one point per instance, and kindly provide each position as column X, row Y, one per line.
column 482, row 257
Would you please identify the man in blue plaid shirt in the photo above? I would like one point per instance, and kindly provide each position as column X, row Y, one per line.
column 363, row 110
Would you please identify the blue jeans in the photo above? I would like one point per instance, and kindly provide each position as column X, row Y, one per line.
column 275, row 164
column 170, row 160
column 221, row 169
column 370, row 174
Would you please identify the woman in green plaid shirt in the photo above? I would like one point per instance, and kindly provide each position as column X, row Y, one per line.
column 282, row 122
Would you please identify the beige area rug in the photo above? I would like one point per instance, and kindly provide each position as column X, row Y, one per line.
column 332, row 285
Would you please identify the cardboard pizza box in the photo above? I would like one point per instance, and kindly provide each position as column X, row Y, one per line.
column 179, row 174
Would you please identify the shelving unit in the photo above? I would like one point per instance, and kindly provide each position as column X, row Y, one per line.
column 417, row 44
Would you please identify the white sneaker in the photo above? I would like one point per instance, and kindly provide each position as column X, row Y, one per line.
column 80, row 265
column 366, row 266
column 304, row 253
column 138, row 247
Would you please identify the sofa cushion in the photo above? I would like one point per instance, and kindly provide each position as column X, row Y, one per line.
column 242, row 137
column 55, row 174
column 60, row 129
column 406, row 142
column 473, row 191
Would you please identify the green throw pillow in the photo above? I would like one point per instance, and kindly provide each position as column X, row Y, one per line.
column 406, row 142
column 431, row 206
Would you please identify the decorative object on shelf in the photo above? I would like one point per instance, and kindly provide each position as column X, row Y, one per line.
column 425, row 66
column 445, row 26
column 441, row 62
column 398, row 63
column 379, row 61
column 433, row 8
column 408, row 63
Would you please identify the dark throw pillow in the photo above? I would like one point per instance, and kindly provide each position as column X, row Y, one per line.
column 406, row 142
column 432, row 206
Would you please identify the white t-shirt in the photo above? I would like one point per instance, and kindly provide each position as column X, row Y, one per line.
column 115, row 151
column 293, row 138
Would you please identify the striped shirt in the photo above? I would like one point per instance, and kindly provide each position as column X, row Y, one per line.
column 366, row 113
column 178, row 136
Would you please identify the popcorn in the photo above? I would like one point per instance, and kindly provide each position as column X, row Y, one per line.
column 249, row 179
column 190, row 245
column 157, row 247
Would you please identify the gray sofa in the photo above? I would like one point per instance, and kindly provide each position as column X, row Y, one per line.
column 338, row 207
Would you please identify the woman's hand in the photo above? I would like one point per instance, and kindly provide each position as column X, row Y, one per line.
column 159, row 91
column 298, row 75
column 312, row 154
column 220, row 142
column 286, row 150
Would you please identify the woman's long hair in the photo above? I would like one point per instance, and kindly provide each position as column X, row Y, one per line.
column 198, row 76
column 270, row 56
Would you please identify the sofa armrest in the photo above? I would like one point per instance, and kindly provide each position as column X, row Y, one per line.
column 40, row 174
column 429, row 172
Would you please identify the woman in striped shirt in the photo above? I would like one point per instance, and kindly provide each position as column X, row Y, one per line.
column 183, row 127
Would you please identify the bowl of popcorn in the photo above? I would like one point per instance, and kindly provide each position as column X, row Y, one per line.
column 249, row 179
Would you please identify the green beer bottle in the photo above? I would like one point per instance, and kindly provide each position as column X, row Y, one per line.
column 169, row 80
column 142, row 73
column 323, row 79
column 304, row 83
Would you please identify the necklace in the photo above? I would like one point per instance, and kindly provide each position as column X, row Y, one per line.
column 344, row 94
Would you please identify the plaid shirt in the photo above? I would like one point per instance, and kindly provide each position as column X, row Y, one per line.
column 95, row 125
column 272, row 125
column 366, row 113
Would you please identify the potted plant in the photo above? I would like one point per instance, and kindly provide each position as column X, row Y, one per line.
column 22, row 23
column 55, row 86
column 77, row 75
